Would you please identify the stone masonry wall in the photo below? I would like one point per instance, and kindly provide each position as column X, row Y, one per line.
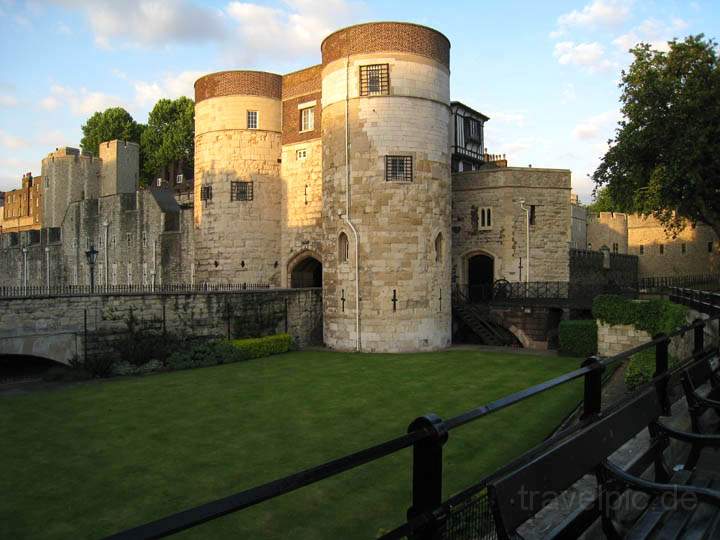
column 501, row 190
column 252, row 313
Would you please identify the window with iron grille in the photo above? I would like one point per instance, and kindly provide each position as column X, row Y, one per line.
column 54, row 235
column 398, row 168
column 241, row 191
column 252, row 119
column 206, row 193
column 375, row 80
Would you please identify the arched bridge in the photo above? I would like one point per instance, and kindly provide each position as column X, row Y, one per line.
column 58, row 345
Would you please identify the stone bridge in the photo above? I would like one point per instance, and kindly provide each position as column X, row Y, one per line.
column 60, row 327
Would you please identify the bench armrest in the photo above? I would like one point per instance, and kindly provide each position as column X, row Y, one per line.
column 696, row 439
column 707, row 402
column 705, row 495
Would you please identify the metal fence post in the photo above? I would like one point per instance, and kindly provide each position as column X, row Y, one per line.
column 661, row 371
column 427, row 472
column 699, row 338
column 592, row 397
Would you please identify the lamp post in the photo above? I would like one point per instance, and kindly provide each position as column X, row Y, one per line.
column 106, row 227
column 47, row 268
column 91, row 255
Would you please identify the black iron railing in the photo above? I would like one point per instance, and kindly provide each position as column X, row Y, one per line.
column 85, row 290
column 466, row 515
column 662, row 283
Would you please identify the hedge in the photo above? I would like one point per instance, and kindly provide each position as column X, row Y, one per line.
column 578, row 338
column 229, row 351
column 654, row 316
column 641, row 368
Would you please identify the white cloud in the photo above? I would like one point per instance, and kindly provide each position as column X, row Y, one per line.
column 652, row 31
column 149, row 22
column 7, row 100
column 568, row 94
column 596, row 126
column 587, row 55
column 171, row 86
column 510, row 118
column 605, row 13
column 11, row 141
column 63, row 29
column 299, row 26
column 81, row 102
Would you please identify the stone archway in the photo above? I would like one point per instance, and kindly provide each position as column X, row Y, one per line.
column 305, row 270
column 480, row 276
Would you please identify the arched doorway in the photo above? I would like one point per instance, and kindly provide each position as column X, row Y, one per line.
column 481, row 272
column 306, row 273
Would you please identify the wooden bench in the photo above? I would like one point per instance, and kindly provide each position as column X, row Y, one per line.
column 522, row 493
column 693, row 378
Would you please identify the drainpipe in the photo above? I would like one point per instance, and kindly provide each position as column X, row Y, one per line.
column 25, row 269
column 106, row 225
column 47, row 268
column 346, row 217
column 527, row 239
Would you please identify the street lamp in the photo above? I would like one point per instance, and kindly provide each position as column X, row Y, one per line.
column 25, row 268
column 91, row 255
column 527, row 239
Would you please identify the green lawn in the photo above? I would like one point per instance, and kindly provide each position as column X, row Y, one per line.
column 89, row 460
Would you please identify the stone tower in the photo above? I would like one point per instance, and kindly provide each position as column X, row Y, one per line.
column 120, row 166
column 386, row 188
column 237, row 177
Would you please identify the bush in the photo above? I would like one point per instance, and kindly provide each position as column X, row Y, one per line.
column 96, row 365
column 641, row 368
column 229, row 351
column 126, row 368
column 138, row 347
column 654, row 316
column 578, row 338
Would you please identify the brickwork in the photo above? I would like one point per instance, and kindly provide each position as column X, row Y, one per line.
column 386, row 36
column 231, row 83
column 291, row 118
column 501, row 190
column 22, row 210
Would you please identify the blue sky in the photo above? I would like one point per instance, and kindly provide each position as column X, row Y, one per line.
column 545, row 72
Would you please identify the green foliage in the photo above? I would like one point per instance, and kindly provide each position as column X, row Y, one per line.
column 229, row 351
column 578, row 338
column 665, row 156
column 113, row 123
column 126, row 368
column 641, row 368
column 169, row 137
column 602, row 201
column 95, row 365
column 654, row 316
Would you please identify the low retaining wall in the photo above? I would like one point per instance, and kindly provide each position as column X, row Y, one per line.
column 37, row 322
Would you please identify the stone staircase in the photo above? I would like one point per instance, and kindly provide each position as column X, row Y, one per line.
column 482, row 325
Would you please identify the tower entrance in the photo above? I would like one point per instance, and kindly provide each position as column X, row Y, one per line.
column 481, row 272
column 306, row 273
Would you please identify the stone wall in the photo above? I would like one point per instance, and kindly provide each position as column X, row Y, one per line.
column 607, row 229
column 251, row 313
column 500, row 190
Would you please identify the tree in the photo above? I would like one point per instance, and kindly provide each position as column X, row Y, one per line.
column 602, row 202
column 665, row 157
column 113, row 123
column 168, row 141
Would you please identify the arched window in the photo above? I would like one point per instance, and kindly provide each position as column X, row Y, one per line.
column 343, row 248
column 439, row 247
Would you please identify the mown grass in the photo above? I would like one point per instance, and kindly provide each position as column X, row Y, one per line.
column 90, row 460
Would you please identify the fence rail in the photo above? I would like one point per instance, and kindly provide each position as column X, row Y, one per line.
column 465, row 515
column 109, row 290
column 666, row 282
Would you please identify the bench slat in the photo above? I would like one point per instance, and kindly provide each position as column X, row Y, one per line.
column 652, row 517
column 523, row 492
column 704, row 519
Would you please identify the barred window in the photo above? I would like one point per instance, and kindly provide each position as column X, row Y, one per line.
column 307, row 119
column 206, row 193
column 252, row 119
column 241, row 191
column 375, row 80
column 398, row 168
column 485, row 218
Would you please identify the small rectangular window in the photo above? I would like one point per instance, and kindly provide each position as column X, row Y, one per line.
column 54, row 235
column 159, row 182
column 252, row 119
column 485, row 218
column 662, row 249
column 616, row 247
column 307, row 119
column 398, row 169
column 375, row 80
column 683, row 249
column 710, row 247
column 241, row 191
column 532, row 214
column 301, row 154
column 179, row 179
column 206, row 193
column 642, row 250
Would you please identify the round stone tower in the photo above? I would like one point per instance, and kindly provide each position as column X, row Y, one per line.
column 386, row 188
column 237, row 177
